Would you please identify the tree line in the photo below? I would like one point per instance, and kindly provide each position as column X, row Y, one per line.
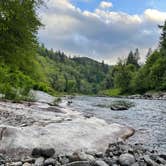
column 25, row 64
column 129, row 77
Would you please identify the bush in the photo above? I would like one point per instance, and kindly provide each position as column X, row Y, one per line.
column 14, row 85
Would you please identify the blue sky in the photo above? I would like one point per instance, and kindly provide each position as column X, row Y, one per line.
column 102, row 29
column 128, row 6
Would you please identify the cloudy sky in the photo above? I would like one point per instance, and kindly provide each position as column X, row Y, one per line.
column 103, row 30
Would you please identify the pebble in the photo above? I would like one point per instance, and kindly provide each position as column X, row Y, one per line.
column 78, row 163
column 26, row 164
column 39, row 161
column 19, row 163
column 117, row 154
column 49, row 161
column 46, row 153
column 100, row 163
column 126, row 159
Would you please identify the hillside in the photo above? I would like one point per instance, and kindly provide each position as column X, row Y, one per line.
column 72, row 75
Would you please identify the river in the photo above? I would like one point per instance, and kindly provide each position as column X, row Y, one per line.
column 148, row 118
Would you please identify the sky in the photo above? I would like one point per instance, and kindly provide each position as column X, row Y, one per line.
column 102, row 29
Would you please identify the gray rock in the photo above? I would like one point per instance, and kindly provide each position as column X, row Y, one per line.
column 100, row 163
column 135, row 164
column 99, row 154
column 149, row 161
column 28, row 160
column 49, row 161
column 39, row 161
column 38, row 152
column 126, row 159
column 81, row 156
column 85, row 157
column 63, row 160
column 78, row 163
column 163, row 156
column 26, row 164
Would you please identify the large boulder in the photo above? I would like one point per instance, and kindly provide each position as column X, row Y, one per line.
column 121, row 105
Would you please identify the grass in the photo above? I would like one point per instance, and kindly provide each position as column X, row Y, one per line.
column 111, row 92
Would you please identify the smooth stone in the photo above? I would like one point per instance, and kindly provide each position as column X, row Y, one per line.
column 126, row 159
column 100, row 163
column 81, row 156
column 28, row 160
column 85, row 157
column 78, row 163
column 49, row 161
column 39, row 161
column 26, row 164
column 135, row 164
column 99, row 154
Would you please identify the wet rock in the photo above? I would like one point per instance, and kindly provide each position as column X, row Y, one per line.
column 121, row 105
column 126, row 159
column 78, row 163
column 39, row 161
column 100, row 163
column 49, row 162
column 37, row 152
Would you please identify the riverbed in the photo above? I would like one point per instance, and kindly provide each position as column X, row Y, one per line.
column 147, row 117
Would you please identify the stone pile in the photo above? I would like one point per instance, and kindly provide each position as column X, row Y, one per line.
column 117, row 154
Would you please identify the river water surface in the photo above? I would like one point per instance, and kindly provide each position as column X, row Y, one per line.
column 148, row 117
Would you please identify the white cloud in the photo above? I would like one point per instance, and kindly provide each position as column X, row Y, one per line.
column 154, row 16
column 105, row 5
column 100, row 34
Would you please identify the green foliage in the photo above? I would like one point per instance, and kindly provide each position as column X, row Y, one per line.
column 72, row 75
column 128, row 76
column 14, row 84
column 133, row 58
column 163, row 37
column 18, row 29
column 111, row 92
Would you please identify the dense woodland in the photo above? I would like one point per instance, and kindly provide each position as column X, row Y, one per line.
column 25, row 64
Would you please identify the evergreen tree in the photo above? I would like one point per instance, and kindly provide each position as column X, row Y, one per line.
column 163, row 36
column 133, row 58
column 149, row 53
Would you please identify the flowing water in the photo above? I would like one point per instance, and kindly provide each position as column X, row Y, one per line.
column 147, row 117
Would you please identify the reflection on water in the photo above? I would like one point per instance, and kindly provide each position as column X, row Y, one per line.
column 148, row 117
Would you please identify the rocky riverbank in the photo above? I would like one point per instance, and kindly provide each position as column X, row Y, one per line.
column 25, row 126
column 116, row 154
column 148, row 96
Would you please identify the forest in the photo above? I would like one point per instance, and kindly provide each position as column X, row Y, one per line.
column 26, row 64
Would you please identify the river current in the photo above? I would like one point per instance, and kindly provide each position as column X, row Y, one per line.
column 147, row 117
